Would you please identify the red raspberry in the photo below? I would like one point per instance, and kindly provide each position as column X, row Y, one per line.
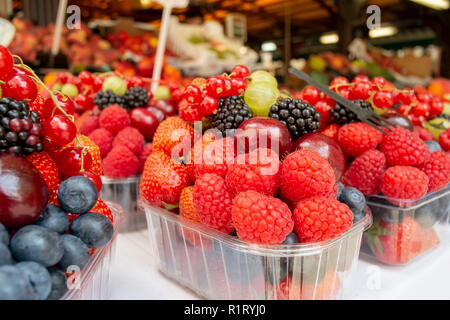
column 216, row 158
column 196, row 153
column 103, row 139
column 144, row 155
column 120, row 163
column 437, row 168
column 403, row 148
column 261, row 219
column 355, row 138
column 259, row 171
column 444, row 140
column 365, row 172
column 423, row 133
column 131, row 138
column 404, row 182
column 331, row 131
column 212, row 202
column 304, row 173
column 114, row 118
column 88, row 125
column 319, row 219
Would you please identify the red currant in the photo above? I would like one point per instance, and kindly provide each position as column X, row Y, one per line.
column 240, row 72
column 383, row 99
column 193, row 94
column 95, row 178
column 424, row 97
column 177, row 95
column 215, row 86
column 86, row 102
column 405, row 96
column 73, row 161
column 6, row 63
column 361, row 90
column 86, row 78
column 436, row 107
column 208, row 106
column 60, row 130
column 238, row 86
column 404, row 109
column 416, row 120
column 421, row 109
column 361, row 78
column 344, row 91
column 228, row 87
column 135, row 81
column 98, row 83
column 379, row 83
column 20, row 87
column 62, row 77
column 338, row 81
column 324, row 108
column 311, row 95
column 64, row 102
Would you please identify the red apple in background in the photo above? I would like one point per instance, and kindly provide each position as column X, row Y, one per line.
column 265, row 132
column 23, row 192
column 326, row 147
column 157, row 113
column 145, row 121
column 169, row 107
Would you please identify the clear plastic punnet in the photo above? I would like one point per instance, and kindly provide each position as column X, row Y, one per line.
column 404, row 230
column 124, row 191
column 220, row 266
column 93, row 282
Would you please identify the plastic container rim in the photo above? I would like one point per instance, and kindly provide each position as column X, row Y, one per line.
column 110, row 180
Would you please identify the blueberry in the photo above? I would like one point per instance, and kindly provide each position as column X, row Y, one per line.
column 15, row 284
column 54, row 218
column 38, row 277
column 340, row 187
column 427, row 215
column 358, row 214
column 38, row 244
column 4, row 235
column 59, row 284
column 291, row 238
column 314, row 269
column 353, row 198
column 76, row 252
column 388, row 214
column 94, row 229
column 5, row 255
column 77, row 195
column 277, row 268
column 433, row 146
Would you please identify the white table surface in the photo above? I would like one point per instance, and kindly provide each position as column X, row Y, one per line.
column 134, row 275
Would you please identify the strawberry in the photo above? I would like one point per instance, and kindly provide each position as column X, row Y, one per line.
column 186, row 204
column 163, row 179
column 174, row 135
column 102, row 208
column 38, row 104
column 196, row 153
column 47, row 167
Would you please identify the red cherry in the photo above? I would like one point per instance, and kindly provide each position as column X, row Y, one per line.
column 167, row 106
column 193, row 94
column 215, row 86
column 324, row 108
column 64, row 102
column 157, row 112
column 135, row 82
column 20, row 87
column 177, row 95
column 60, row 130
column 383, row 99
column 436, row 107
column 145, row 121
column 86, row 78
column 95, row 178
column 71, row 161
column 361, row 78
column 208, row 106
column 311, row 95
column 238, row 86
column 361, row 90
column 85, row 102
column 98, row 83
column 240, row 72
column 339, row 81
column 62, row 77
column 6, row 63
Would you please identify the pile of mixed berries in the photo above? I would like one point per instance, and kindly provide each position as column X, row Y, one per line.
column 51, row 216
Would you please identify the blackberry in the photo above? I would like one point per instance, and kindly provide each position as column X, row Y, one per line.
column 298, row 116
column 20, row 129
column 107, row 98
column 232, row 111
column 136, row 97
column 341, row 115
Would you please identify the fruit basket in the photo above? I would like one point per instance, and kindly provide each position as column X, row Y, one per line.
column 403, row 231
column 93, row 282
column 219, row 266
column 124, row 191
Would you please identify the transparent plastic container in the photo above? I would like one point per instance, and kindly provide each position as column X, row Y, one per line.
column 404, row 230
column 218, row 266
column 93, row 282
column 124, row 191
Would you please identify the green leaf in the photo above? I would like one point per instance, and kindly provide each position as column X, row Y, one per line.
column 169, row 206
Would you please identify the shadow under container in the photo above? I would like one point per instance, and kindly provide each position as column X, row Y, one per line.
column 125, row 191
column 93, row 282
column 219, row 266
column 404, row 230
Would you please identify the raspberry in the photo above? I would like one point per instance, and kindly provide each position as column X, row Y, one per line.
column 404, row 182
column 144, row 155
column 319, row 219
column 196, row 153
column 258, row 171
column 403, row 148
column 114, row 118
column 355, row 138
column 131, row 138
column 423, row 133
column 120, row 163
column 444, row 140
column 331, row 131
column 212, row 202
column 261, row 219
column 88, row 125
column 365, row 172
column 304, row 174
column 45, row 164
column 103, row 139
column 437, row 168
column 216, row 158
